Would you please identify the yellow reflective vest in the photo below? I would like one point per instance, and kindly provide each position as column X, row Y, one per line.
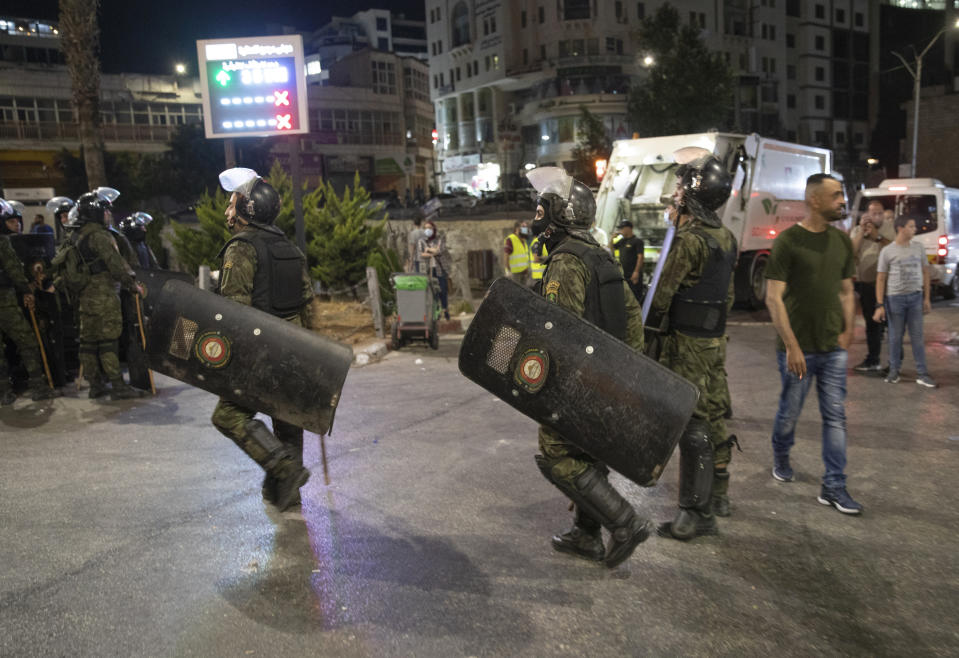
column 519, row 260
column 537, row 269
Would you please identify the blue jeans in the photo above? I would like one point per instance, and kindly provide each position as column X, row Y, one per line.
column 906, row 311
column 829, row 370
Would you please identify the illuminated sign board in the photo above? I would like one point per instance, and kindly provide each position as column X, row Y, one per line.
column 253, row 87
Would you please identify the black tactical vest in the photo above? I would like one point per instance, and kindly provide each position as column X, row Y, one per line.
column 700, row 310
column 605, row 301
column 278, row 281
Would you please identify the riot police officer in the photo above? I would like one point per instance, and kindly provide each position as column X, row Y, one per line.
column 583, row 278
column 693, row 294
column 13, row 281
column 98, row 306
column 133, row 227
column 262, row 268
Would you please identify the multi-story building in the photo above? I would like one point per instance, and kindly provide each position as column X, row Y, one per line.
column 37, row 119
column 508, row 80
column 378, row 29
column 373, row 117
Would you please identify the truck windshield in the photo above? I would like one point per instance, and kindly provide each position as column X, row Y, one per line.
column 640, row 194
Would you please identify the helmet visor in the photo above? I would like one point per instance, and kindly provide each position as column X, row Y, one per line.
column 690, row 154
column 141, row 218
column 551, row 180
column 54, row 204
column 239, row 179
column 107, row 193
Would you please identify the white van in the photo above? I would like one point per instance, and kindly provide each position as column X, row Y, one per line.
column 935, row 208
column 769, row 182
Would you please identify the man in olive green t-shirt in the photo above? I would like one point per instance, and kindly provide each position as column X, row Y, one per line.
column 809, row 293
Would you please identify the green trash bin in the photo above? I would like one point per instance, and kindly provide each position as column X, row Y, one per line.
column 417, row 309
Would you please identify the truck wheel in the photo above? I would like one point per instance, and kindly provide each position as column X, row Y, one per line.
column 434, row 335
column 757, row 281
column 952, row 290
column 394, row 337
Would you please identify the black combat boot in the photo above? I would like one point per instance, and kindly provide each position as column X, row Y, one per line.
column 97, row 390
column 695, row 517
column 269, row 488
column 283, row 469
column 689, row 523
column 288, row 478
column 123, row 391
column 584, row 539
column 720, row 497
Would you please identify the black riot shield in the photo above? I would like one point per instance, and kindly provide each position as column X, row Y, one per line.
column 152, row 282
column 34, row 247
column 247, row 356
column 611, row 401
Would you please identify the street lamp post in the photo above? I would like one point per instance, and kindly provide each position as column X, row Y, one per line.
column 917, row 78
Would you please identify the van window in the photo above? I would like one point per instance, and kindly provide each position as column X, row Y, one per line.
column 888, row 203
column 953, row 198
column 922, row 209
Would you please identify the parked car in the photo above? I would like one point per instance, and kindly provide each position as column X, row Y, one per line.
column 516, row 198
column 456, row 200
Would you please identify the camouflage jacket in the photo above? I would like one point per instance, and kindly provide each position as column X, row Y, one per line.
column 11, row 271
column 566, row 281
column 98, row 240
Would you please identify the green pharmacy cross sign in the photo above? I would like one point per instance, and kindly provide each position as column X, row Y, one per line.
column 253, row 87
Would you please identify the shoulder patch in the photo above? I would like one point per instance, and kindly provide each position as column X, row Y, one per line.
column 551, row 290
column 228, row 264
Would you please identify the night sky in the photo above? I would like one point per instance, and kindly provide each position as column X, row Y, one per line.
column 149, row 37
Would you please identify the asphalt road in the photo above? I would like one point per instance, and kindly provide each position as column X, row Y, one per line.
column 134, row 528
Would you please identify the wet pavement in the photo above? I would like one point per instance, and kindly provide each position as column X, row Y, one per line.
column 134, row 528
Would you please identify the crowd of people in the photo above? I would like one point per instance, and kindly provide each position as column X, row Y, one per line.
column 64, row 314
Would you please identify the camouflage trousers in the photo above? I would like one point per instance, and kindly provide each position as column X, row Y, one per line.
column 232, row 418
column 568, row 461
column 100, row 325
column 702, row 362
column 15, row 327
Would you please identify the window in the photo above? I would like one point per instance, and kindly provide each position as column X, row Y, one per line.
column 820, row 102
column 541, row 14
column 772, row 32
column 461, row 24
column 790, row 40
column 859, row 19
column 820, row 42
column 764, row 31
column 487, row 62
column 592, row 46
column 383, row 43
column 640, row 10
column 790, row 71
column 821, row 138
column 791, row 101
column 522, row 18
column 820, row 11
column 618, row 11
column 542, row 52
column 458, row 77
column 820, row 74
column 840, row 18
column 840, row 138
column 383, row 77
column 495, row 62
column 793, row 8
column 576, row 10
column 857, row 139
column 381, row 24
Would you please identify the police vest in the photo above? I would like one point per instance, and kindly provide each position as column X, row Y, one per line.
column 278, row 280
column 537, row 269
column 700, row 310
column 519, row 260
column 616, row 241
column 605, row 302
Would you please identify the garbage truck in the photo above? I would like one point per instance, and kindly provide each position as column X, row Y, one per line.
column 769, row 180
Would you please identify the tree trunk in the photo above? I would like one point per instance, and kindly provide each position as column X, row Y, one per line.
column 80, row 36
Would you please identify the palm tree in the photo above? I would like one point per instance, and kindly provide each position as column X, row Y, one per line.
column 80, row 36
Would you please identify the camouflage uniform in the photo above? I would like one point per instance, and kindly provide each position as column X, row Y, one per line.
column 700, row 360
column 236, row 282
column 98, row 306
column 565, row 282
column 12, row 323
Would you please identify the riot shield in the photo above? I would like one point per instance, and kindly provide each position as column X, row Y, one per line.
column 611, row 401
column 34, row 247
column 153, row 280
column 245, row 355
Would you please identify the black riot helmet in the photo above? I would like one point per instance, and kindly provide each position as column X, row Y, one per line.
column 257, row 201
column 134, row 226
column 59, row 205
column 92, row 207
column 705, row 182
column 567, row 203
column 8, row 212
